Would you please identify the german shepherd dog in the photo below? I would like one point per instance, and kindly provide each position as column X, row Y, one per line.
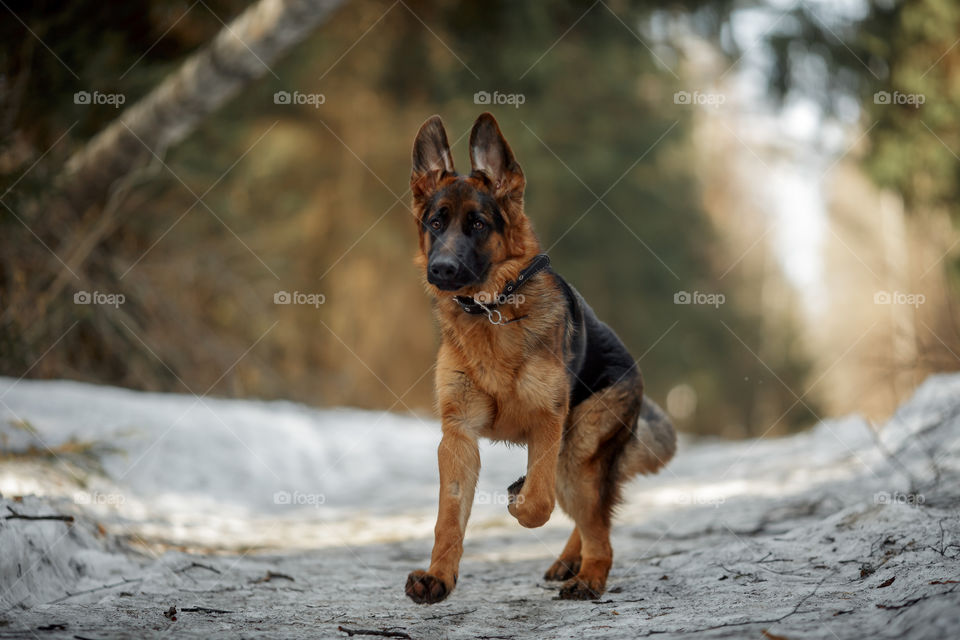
column 522, row 359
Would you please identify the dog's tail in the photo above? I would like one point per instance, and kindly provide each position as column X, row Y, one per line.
column 653, row 444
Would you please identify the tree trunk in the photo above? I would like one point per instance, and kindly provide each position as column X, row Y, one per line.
column 240, row 53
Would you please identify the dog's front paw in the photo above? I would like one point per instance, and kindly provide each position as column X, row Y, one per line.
column 582, row 589
column 531, row 511
column 424, row 588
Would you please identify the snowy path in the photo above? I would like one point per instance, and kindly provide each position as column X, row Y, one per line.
column 820, row 535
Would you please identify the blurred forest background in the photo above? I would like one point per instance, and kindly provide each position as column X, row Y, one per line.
column 721, row 147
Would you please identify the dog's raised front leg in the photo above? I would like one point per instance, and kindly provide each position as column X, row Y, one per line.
column 534, row 502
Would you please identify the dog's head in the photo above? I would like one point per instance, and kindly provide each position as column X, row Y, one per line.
column 473, row 233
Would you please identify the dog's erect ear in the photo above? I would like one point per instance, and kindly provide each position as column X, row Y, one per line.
column 491, row 155
column 431, row 157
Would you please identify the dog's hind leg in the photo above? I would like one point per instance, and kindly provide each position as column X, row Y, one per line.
column 593, row 530
column 568, row 564
column 589, row 479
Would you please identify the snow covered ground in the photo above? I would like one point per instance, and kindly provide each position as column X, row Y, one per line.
column 270, row 519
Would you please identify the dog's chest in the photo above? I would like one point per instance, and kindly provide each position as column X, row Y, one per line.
column 494, row 358
column 524, row 384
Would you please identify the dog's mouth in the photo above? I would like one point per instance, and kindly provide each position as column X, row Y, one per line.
column 447, row 284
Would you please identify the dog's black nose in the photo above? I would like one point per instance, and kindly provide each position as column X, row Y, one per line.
column 443, row 268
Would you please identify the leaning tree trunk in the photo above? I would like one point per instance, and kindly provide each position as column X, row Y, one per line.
column 205, row 81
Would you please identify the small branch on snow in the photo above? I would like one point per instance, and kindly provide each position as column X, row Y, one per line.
column 794, row 611
column 374, row 632
column 943, row 547
column 21, row 516
column 455, row 613
column 106, row 586
column 913, row 601
column 202, row 610
column 224, row 589
column 271, row 575
column 197, row 565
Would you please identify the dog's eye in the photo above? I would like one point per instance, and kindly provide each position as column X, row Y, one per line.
column 435, row 224
column 479, row 225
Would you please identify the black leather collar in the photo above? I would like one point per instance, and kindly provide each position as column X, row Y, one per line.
column 471, row 306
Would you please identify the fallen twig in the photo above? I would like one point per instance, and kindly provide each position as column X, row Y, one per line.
column 203, row 610
column 886, row 583
column 730, row 625
column 197, row 565
column 447, row 615
column 106, row 586
column 270, row 576
column 21, row 516
column 374, row 632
